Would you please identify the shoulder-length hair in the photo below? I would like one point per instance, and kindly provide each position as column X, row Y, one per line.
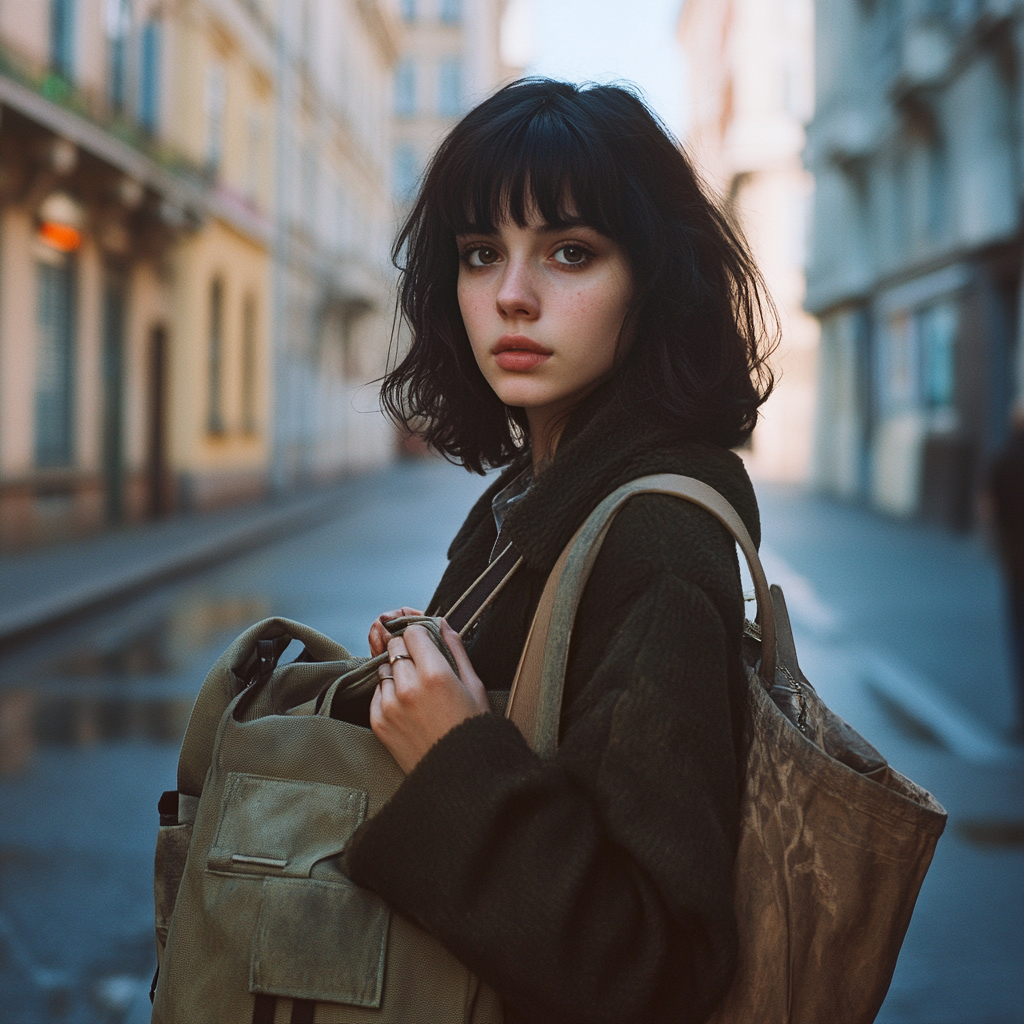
column 594, row 154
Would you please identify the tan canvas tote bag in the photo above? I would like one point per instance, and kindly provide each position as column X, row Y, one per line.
column 834, row 842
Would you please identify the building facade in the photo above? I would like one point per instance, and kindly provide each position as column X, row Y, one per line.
column 751, row 92
column 195, row 208
column 450, row 60
column 333, row 283
column 915, row 260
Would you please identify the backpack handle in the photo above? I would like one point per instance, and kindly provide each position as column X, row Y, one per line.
column 535, row 702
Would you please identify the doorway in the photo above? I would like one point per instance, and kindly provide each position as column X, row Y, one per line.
column 160, row 500
column 115, row 301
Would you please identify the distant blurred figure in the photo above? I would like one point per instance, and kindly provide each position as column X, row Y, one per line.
column 1006, row 490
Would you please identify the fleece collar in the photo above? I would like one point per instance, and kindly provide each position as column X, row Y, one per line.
column 607, row 443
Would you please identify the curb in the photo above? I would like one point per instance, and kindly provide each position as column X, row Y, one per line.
column 47, row 613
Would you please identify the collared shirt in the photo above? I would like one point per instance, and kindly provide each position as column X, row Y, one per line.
column 503, row 501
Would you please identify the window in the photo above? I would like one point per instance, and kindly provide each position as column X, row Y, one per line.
column 254, row 156
column 118, row 32
column 408, row 10
column 249, row 364
column 309, row 186
column 937, row 325
column 405, row 88
column 449, row 87
column 54, row 405
column 149, row 77
column 451, row 11
column 215, row 410
column 62, row 37
column 216, row 104
column 406, row 172
column 900, row 373
column 938, row 184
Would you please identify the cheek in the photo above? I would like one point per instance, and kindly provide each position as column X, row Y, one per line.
column 600, row 312
column 472, row 305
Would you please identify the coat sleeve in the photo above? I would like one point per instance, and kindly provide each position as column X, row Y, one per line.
column 597, row 885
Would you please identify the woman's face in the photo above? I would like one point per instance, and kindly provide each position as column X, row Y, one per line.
column 543, row 308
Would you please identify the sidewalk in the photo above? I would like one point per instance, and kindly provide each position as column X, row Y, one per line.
column 925, row 607
column 44, row 588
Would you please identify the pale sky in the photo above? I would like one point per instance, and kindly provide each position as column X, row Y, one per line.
column 604, row 40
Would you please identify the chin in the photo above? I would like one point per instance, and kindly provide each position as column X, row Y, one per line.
column 522, row 397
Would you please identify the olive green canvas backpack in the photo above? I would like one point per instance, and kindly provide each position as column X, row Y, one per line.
column 256, row 919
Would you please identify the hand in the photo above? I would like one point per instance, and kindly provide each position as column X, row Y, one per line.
column 420, row 698
column 379, row 635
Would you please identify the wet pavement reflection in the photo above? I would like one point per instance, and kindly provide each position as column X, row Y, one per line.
column 135, row 685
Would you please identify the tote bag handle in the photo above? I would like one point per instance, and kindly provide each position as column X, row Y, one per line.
column 535, row 701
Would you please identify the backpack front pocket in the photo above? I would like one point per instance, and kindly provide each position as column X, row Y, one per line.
column 321, row 941
column 284, row 827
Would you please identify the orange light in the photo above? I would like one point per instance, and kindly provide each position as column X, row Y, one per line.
column 61, row 237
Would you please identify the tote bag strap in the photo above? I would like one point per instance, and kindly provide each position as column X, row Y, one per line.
column 535, row 701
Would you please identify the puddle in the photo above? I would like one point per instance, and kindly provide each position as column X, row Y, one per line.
column 160, row 647
column 130, row 678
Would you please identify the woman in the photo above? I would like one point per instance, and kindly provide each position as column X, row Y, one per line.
column 582, row 315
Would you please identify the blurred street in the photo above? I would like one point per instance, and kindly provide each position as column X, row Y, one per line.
column 898, row 626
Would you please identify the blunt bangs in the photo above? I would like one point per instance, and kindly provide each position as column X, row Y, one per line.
column 700, row 323
column 536, row 156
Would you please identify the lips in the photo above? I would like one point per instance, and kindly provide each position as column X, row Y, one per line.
column 518, row 353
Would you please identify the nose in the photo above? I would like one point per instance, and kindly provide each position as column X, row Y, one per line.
column 517, row 296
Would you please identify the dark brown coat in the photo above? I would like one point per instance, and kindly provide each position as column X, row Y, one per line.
column 595, row 886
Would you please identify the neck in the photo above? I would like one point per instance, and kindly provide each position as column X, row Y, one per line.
column 545, row 431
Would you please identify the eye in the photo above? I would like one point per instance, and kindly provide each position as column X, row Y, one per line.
column 571, row 255
column 482, row 256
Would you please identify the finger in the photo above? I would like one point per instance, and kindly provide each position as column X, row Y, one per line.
column 455, row 645
column 384, row 671
column 399, row 613
column 397, row 649
column 386, row 698
column 378, row 638
column 420, row 647
column 376, row 714
column 431, row 665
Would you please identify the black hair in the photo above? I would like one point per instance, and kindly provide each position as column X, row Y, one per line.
column 700, row 319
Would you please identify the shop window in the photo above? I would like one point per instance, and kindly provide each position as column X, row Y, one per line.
column 215, row 365
column 62, row 37
column 54, row 398
column 937, row 326
column 149, row 77
column 899, row 377
column 405, row 88
column 449, row 87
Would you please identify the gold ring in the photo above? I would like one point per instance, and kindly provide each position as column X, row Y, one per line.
column 398, row 657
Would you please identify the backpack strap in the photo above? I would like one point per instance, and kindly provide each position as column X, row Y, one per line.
column 535, row 701
column 483, row 590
